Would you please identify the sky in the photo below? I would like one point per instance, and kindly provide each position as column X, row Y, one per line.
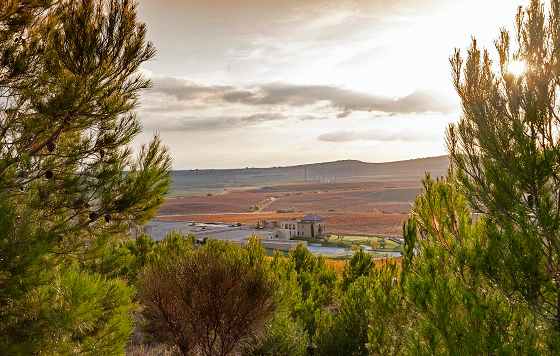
column 260, row 83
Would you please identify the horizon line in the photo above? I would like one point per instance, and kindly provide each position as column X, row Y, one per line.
column 307, row 164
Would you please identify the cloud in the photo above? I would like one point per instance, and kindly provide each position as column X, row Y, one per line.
column 263, row 117
column 185, row 106
column 186, row 90
column 191, row 123
column 339, row 136
column 346, row 100
column 378, row 135
column 214, row 123
column 342, row 100
column 345, row 113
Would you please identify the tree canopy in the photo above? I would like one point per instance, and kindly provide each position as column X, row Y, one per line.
column 69, row 181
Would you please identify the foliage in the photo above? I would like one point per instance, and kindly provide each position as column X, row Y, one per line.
column 68, row 121
column 119, row 258
column 317, row 287
column 69, row 185
column 505, row 152
column 282, row 336
column 207, row 300
column 91, row 309
column 359, row 265
column 53, row 309
column 345, row 332
column 391, row 319
column 457, row 309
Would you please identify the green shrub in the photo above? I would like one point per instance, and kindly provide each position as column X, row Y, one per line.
column 282, row 336
column 345, row 331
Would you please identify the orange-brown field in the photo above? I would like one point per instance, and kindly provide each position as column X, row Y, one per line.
column 348, row 208
column 338, row 265
column 227, row 202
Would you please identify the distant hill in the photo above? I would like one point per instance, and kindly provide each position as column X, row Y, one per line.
column 215, row 180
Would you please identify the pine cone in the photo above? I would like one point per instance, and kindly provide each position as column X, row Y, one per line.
column 93, row 216
column 51, row 146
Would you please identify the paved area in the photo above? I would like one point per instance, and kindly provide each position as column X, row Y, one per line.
column 240, row 234
column 159, row 229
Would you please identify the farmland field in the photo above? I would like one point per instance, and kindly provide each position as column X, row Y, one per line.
column 369, row 208
column 353, row 197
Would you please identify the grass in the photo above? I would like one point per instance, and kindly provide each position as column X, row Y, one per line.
column 375, row 242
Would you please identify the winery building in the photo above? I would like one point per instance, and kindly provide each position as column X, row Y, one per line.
column 310, row 227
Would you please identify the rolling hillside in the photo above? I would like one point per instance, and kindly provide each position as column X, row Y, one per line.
column 215, row 180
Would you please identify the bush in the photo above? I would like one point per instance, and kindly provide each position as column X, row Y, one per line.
column 207, row 300
column 359, row 265
column 282, row 337
column 345, row 332
column 317, row 287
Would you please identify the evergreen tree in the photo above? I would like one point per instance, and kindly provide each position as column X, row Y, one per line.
column 68, row 180
column 345, row 332
column 359, row 265
column 282, row 336
column 317, row 287
column 454, row 308
column 390, row 317
column 505, row 152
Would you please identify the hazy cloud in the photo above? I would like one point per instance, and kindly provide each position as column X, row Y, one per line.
column 187, row 90
column 343, row 100
column 184, row 106
column 263, row 117
column 216, row 123
column 191, row 124
column 378, row 135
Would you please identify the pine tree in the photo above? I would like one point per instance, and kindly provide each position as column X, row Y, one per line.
column 69, row 78
column 359, row 265
column 481, row 272
column 454, row 308
column 345, row 332
column 505, row 152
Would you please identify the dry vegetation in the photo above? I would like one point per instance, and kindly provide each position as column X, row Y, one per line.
column 339, row 265
column 349, row 208
column 227, row 202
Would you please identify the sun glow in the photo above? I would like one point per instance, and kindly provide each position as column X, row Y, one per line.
column 517, row 68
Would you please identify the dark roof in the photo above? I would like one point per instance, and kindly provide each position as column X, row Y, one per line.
column 312, row 218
